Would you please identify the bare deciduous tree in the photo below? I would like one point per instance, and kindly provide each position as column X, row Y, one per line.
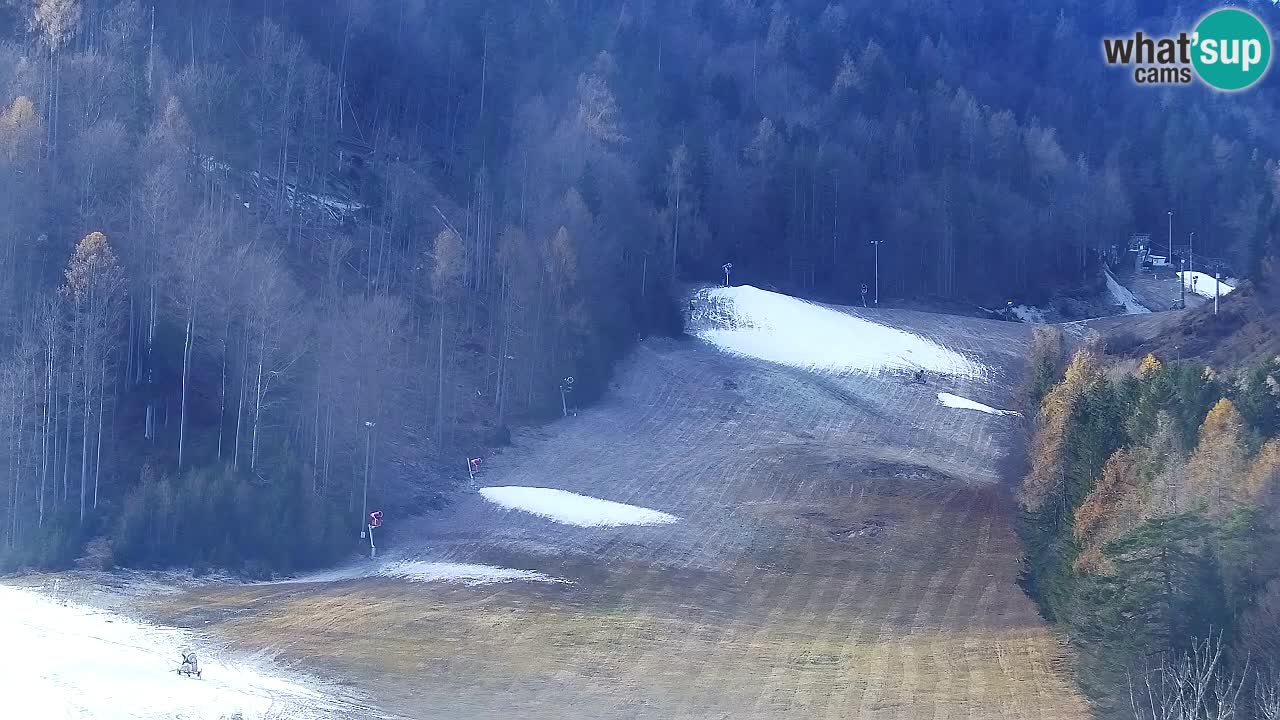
column 677, row 181
column 446, row 279
column 275, row 337
column 1192, row 685
column 55, row 21
column 95, row 285
column 193, row 261
column 598, row 109
column 1267, row 695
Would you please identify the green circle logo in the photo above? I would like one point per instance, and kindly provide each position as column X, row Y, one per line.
column 1232, row 49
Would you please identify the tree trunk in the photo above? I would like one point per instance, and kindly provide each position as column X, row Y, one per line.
column 49, row 94
column 151, row 51
column 244, row 377
column 97, row 461
column 222, row 391
column 835, row 225
column 440, row 383
column 57, row 95
column 130, row 342
column 257, row 403
column 84, row 433
column 149, row 432
column 15, row 439
column 504, row 348
column 66, row 448
column 49, row 399
column 675, row 236
column 328, row 447
column 186, row 374
column 315, row 444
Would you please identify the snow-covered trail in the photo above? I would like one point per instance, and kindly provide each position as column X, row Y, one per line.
column 573, row 509
column 1205, row 285
column 63, row 660
column 1124, row 297
column 744, row 320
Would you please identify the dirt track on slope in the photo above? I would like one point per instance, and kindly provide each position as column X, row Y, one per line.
column 845, row 550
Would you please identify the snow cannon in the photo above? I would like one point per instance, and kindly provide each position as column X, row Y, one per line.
column 190, row 665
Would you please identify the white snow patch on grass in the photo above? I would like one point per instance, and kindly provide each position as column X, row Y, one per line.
column 1123, row 296
column 470, row 574
column 1204, row 284
column 465, row 573
column 573, row 509
column 71, row 661
column 963, row 403
column 778, row 328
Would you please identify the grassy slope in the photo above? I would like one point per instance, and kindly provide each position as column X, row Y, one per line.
column 846, row 550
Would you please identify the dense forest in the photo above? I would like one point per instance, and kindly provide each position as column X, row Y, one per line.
column 262, row 260
column 1150, row 518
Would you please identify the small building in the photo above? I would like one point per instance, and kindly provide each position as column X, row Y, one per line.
column 1144, row 254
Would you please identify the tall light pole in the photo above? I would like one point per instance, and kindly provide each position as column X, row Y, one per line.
column 1170, row 249
column 1191, row 251
column 877, row 244
column 566, row 387
column 364, row 501
column 1182, row 285
column 1217, row 286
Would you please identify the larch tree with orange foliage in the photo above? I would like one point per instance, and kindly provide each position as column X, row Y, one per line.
column 1216, row 472
column 1045, row 356
column 22, row 195
column 1262, row 484
column 1046, row 483
column 1149, row 366
column 1109, row 511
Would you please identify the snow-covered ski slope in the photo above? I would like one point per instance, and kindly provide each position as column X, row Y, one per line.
column 757, row 323
column 63, row 660
column 1205, row 285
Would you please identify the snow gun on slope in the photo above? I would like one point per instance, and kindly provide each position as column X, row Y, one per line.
column 190, row 665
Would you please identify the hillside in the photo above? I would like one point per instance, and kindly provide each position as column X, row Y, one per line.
column 623, row 315
column 283, row 260
column 798, row 536
column 1241, row 334
column 1151, row 504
